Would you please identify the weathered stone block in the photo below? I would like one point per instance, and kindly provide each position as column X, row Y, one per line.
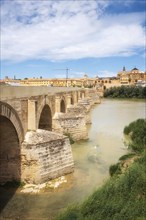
column 71, row 124
column 46, row 155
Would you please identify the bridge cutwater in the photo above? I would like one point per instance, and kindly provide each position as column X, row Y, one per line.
column 35, row 123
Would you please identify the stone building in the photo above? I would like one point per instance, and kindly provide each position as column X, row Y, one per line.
column 124, row 77
column 131, row 77
column 84, row 82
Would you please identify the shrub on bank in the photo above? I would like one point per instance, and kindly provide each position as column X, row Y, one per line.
column 126, row 156
column 115, row 169
column 137, row 132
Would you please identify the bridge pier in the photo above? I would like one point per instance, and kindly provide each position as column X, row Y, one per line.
column 70, row 124
column 75, row 98
column 32, row 115
column 93, row 96
column 68, row 103
column 57, row 103
column 45, row 155
column 86, row 107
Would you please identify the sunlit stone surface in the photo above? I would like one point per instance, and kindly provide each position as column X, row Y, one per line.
column 45, row 155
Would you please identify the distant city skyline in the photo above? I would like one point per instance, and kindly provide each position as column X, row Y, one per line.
column 97, row 38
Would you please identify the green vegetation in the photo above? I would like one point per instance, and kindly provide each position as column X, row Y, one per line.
column 123, row 196
column 126, row 92
column 127, row 156
column 70, row 138
column 137, row 132
column 115, row 169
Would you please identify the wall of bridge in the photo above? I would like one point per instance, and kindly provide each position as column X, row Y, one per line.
column 15, row 92
column 29, row 101
column 23, row 107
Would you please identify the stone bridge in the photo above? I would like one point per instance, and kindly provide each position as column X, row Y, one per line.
column 33, row 121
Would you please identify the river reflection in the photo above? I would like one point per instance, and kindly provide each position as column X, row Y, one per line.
column 92, row 160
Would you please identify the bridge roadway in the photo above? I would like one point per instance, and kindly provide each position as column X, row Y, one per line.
column 24, row 111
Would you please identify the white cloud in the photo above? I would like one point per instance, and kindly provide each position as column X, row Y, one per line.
column 63, row 30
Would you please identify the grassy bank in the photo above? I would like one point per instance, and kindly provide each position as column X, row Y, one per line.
column 123, row 196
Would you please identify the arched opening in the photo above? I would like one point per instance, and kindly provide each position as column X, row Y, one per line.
column 45, row 121
column 10, row 160
column 72, row 101
column 62, row 106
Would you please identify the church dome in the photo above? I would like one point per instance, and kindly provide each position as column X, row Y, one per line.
column 134, row 69
column 85, row 76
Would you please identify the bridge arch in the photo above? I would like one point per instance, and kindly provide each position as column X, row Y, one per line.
column 11, row 137
column 7, row 111
column 45, row 119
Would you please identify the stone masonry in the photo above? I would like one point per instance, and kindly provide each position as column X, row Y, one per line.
column 71, row 124
column 32, row 145
column 45, row 155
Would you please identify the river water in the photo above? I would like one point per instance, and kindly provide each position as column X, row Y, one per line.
column 92, row 160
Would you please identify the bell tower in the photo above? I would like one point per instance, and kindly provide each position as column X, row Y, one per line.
column 124, row 69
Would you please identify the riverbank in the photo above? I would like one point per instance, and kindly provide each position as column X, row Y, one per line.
column 124, row 195
column 120, row 198
column 126, row 92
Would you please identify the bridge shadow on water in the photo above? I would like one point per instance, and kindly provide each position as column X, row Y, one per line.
column 6, row 194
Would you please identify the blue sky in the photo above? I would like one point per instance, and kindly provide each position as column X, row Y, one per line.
column 96, row 37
